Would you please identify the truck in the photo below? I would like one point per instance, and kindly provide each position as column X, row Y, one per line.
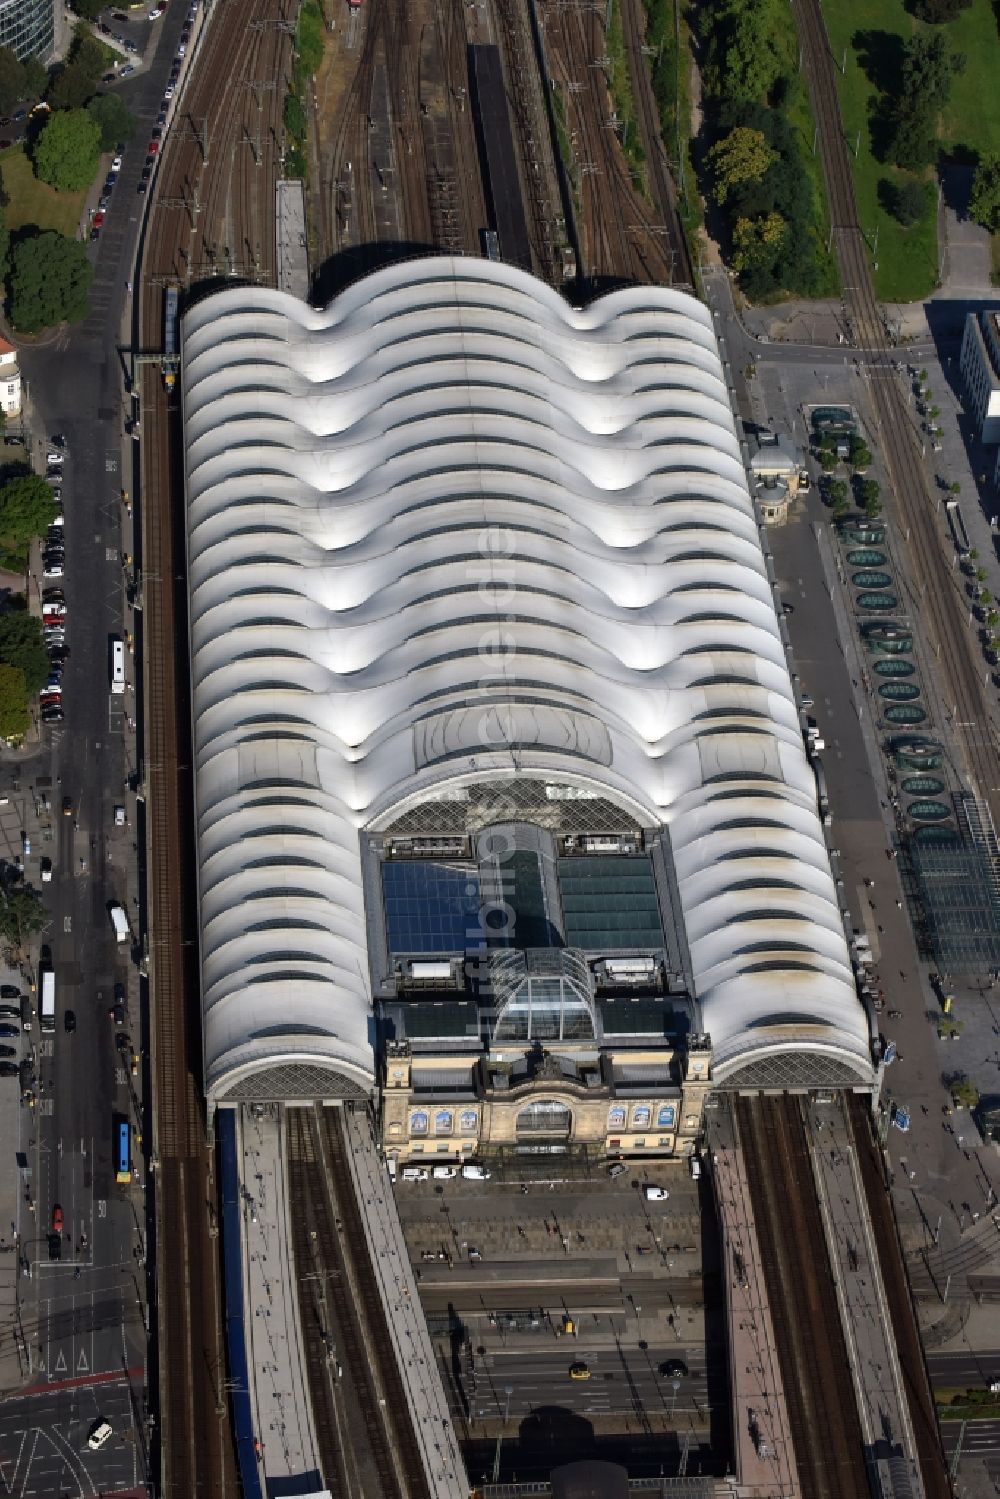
column 48, row 1017
column 119, row 920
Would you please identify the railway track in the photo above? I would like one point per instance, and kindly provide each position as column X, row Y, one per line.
column 661, row 181
column 919, row 510
column 191, row 202
column 620, row 236
column 362, row 1417
column 823, row 1414
column 916, row 1381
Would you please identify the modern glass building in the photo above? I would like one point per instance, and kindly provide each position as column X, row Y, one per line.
column 27, row 27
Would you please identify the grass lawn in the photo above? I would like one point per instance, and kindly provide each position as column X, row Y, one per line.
column 34, row 202
column 907, row 258
column 800, row 116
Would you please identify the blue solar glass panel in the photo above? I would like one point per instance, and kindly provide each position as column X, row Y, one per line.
column 430, row 907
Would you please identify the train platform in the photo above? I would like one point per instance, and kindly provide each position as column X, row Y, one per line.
column 291, row 244
column 429, row 1411
column 762, row 1439
column 871, row 1342
column 279, row 1391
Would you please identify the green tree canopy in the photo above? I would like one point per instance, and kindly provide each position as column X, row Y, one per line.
column 22, row 913
column 14, row 723
column 71, row 87
column 22, row 644
column 741, row 156
column 984, row 203
column 49, row 281
column 926, row 74
column 116, row 121
column 756, row 240
column 68, row 150
column 11, row 80
column 88, row 9
column 907, row 200
column 937, row 12
column 36, row 77
column 26, row 507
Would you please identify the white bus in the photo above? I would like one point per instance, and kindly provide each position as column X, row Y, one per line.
column 48, row 1018
column 117, row 664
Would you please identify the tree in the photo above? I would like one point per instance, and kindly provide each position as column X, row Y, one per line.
column 984, row 200
column 838, row 492
column 937, row 12
column 49, row 282
column 22, row 644
column 11, row 80
column 22, row 913
column 870, row 493
column 88, row 9
column 68, row 150
column 741, row 156
column 36, row 78
column 928, row 66
column 4, row 244
column 860, row 453
column 116, row 122
column 71, row 87
column 294, row 116
column 26, row 508
column 755, row 241
column 14, row 722
column 907, row 201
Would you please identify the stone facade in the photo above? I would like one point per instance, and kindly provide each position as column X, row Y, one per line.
column 549, row 1111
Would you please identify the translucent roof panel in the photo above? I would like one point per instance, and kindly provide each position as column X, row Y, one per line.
column 451, row 530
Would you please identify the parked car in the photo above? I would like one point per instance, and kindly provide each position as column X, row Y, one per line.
column 8, row 1051
column 69, row 1021
column 655, row 1194
column 127, row 69
column 116, row 163
column 9, row 991
column 46, row 870
column 54, row 458
column 674, row 1368
column 9, row 1069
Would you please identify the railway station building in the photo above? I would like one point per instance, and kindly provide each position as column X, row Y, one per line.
column 503, row 809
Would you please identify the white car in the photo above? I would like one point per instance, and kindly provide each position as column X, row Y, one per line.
column 156, row 12
column 444, row 1173
column 116, row 164
column 55, row 458
column 413, row 1174
column 52, row 570
column 475, row 1173
column 99, row 1434
column 168, row 92
column 181, row 50
column 655, row 1194
column 119, row 816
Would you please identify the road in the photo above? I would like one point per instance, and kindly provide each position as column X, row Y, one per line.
column 85, row 1330
column 622, row 1378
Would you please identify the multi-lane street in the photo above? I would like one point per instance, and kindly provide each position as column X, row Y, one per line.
column 83, row 1315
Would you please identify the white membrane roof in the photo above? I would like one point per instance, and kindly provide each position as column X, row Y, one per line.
column 450, row 529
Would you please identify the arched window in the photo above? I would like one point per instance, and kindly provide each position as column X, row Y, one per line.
column 616, row 1117
column 665, row 1118
column 418, row 1122
column 468, row 1120
column 544, row 1117
column 641, row 1116
column 444, row 1121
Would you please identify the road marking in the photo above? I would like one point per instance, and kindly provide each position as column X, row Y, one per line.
column 82, row 1367
column 61, row 1365
column 67, row 923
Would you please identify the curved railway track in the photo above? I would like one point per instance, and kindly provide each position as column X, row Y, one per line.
column 826, row 1428
column 191, row 201
column 945, row 615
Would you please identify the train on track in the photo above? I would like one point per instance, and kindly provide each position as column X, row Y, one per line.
column 171, row 349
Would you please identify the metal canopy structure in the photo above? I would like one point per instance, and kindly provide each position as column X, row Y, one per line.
column 451, row 531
